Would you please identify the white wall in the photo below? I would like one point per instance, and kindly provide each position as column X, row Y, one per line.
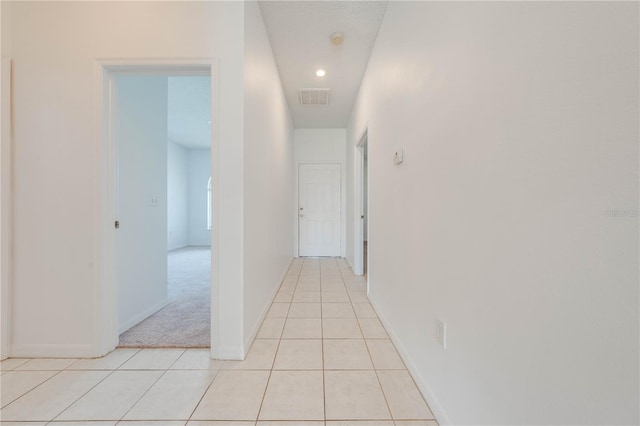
column 177, row 197
column 199, row 172
column 189, row 171
column 319, row 146
column 519, row 123
column 141, row 115
column 57, row 258
column 5, row 25
column 268, row 177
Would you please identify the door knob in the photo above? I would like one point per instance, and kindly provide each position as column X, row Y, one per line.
column 361, row 216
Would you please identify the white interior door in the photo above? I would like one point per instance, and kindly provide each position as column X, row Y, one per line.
column 319, row 209
column 141, row 115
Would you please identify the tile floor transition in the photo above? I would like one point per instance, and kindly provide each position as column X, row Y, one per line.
column 321, row 357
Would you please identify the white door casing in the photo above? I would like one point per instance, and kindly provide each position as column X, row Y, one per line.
column 358, row 228
column 223, row 345
column 319, row 209
column 6, row 199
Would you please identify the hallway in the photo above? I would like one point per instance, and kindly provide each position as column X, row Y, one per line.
column 321, row 356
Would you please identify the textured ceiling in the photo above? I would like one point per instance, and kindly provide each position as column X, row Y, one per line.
column 189, row 111
column 299, row 32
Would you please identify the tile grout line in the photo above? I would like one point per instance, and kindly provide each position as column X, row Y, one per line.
column 24, row 361
column 390, row 369
column 33, row 388
column 150, row 387
column 81, row 396
column 384, row 395
column 215, row 376
column 128, row 359
column 324, row 385
column 112, row 371
column 55, row 375
column 277, row 349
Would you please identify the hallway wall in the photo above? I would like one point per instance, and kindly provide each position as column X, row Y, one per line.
column 514, row 217
column 199, row 171
column 188, row 173
column 268, row 177
column 57, row 249
column 177, row 196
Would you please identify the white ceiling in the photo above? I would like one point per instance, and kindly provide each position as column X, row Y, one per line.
column 299, row 32
column 189, row 111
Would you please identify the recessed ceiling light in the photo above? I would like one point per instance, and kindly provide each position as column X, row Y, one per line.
column 321, row 73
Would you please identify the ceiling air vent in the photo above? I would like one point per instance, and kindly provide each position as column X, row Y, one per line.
column 314, row 96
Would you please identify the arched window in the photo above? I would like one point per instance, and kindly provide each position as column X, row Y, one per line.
column 209, row 204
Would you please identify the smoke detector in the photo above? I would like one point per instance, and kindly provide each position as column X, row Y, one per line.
column 314, row 97
column 337, row 38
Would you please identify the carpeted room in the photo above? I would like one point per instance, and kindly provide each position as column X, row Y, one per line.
column 176, row 312
column 186, row 320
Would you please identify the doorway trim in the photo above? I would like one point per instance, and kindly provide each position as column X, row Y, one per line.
column 358, row 211
column 106, row 336
column 6, row 209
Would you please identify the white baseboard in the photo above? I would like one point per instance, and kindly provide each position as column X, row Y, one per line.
column 51, row 351
column 256, row 327
column 169, row 250
column 142, row 316
column 427, row 393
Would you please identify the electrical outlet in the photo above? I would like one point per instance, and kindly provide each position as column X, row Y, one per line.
column 441, row 333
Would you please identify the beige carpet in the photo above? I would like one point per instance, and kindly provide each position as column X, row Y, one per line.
column 185, row 322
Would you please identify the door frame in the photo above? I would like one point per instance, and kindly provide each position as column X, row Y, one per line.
column 106, row 335
column 6, row 209
column 297, row 201
column 358, row 211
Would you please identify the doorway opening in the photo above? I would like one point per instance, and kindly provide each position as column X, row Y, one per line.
column 158, row 183
column 365, row 210
column 361, row 219
column 164, row 239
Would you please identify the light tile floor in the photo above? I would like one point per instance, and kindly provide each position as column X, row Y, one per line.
column 321, row 357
